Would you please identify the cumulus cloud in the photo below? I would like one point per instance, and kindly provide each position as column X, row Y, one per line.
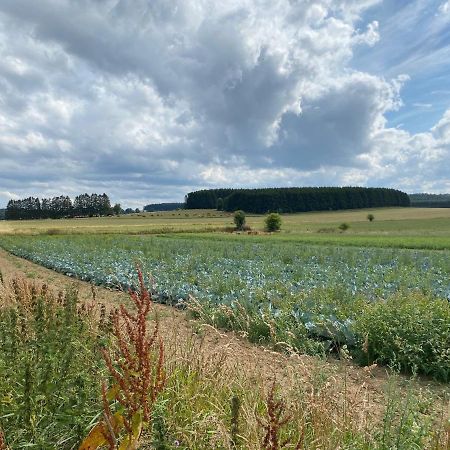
column 149, row 99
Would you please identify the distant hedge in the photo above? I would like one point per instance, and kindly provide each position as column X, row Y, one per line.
column 289, row 200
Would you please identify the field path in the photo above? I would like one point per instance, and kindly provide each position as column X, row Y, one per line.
column 363, row 388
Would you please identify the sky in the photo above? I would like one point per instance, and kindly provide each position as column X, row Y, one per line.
column 147, row 100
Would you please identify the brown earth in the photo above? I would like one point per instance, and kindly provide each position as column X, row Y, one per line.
column 364, row 387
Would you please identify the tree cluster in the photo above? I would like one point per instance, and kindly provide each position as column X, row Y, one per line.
column 131, row 211
column 290, row 200
column 84, row 205
column 206, row 198
column 430, row 200
column 163, row 207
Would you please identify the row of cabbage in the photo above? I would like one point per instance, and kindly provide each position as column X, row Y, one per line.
column 318, row 287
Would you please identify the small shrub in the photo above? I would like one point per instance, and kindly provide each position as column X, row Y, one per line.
column 273, row 222
column 408, row 332
column 344, row 226
column 239, row 219
column 370, row 217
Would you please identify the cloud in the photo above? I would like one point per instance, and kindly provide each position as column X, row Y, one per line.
column 147, row 100
column 5, row 196
column 444, row 8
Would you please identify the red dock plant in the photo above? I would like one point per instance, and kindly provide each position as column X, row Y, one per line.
column 3, row 445
column 136, row 365
column 275, row 421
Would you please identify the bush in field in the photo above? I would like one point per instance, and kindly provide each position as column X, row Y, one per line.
column 239, row 219
column 370, row 217
column 410, row 332
column 273, row 222
column 344, row 226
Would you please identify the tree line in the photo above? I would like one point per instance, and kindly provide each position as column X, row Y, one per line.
column 84, row 205
column 430, row 200
column 152, row 207
column 290, row 200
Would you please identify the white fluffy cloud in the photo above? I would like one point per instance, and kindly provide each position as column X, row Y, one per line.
column 148, row 99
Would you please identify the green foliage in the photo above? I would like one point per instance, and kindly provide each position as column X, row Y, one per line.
column 58, row 207
column 152, row 207
column 272, row 222
column 49, row 369
column 117, row 209
column 239, row 219
column 370, row 217
column 344, row 226
column 283, row 294
column 294, row 199
column 220, row 204
column 160, row 433
column 410, row 332
column 430, row 200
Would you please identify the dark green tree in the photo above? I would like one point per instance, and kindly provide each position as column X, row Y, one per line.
column 239, row 219
column 117, row 209
column 272, row 222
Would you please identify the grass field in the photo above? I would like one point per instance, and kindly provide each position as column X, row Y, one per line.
column 392, row 227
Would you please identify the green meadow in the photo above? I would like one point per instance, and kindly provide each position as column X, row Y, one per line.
column 392, row 227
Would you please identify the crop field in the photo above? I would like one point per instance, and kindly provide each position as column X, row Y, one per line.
column 310, row 298
column 377, row 294
column 52, row 371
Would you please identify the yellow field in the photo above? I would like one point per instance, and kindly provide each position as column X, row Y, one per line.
column 193, row 220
